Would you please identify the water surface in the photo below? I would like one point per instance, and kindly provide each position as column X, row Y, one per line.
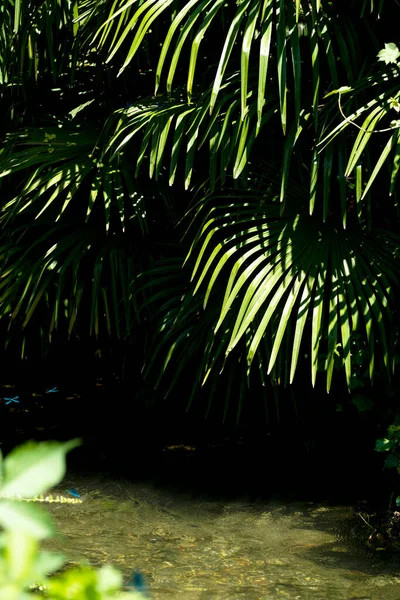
column 200, row 548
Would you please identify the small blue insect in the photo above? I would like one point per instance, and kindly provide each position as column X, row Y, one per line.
column 137, row 582
column 14, row 399
column 73, row 493
column 53, row 390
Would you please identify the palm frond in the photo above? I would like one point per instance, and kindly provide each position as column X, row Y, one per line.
column 67, row 277
column 372, row 7
column 176, row 127
column 288, row 269
column 64, row 161
column 62, row 236
column 36, row 38
column 184, row 342
column 376, row 142
column 252, row 25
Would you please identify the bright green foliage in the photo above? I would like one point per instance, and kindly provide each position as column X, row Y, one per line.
column 390, row 54
column 280, row 120
column 391, row 444
column 25, row 570
column 33, row 468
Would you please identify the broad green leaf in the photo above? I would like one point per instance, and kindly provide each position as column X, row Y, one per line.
column 391, row 461
column 35, row 467
column 389, row 54
column 26, row 518
column 383, row 445
column 20, row 551
column 363, row 404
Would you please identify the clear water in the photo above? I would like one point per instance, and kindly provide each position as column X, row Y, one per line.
column 199, row 548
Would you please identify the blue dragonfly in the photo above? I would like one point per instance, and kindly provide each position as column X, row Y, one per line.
column 138, row 583
column 53, row 390
column 13, row 399
column 72, row 491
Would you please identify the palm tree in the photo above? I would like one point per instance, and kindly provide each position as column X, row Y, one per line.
column 273, row 123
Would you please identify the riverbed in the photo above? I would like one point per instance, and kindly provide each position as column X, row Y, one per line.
column 199, row 547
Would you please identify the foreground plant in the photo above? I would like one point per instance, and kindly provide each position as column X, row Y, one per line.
column 384, row 525
column 26, row 571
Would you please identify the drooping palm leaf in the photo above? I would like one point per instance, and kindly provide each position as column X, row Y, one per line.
column 36, row 37
column 372, row 6
column 76, row 274
column 63, row 161
column 377, row 139
column 282, row 46
column 182, row 128
column 62, row 239
column 290, row 269
column 237, row 84
column 252, row 25
column 186, row 347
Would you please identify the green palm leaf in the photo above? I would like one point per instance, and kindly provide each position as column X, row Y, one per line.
column 255, row 95
column 375, row 127
column 190, row 126
column 271, row 270
column 62, row 236
column 252, row 22
column 40, row 277
column 27, row 25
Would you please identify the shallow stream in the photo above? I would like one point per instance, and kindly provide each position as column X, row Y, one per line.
column 200, row 548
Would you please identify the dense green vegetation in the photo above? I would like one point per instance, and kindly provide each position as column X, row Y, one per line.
column 211, row 184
